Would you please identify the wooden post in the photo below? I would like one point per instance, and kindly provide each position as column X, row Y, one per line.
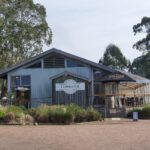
column 144, row 96
column 105, row 102
column 106, row 106
column 124, row 101
column 92, row 87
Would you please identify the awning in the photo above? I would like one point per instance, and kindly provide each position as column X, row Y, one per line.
column 123, row 76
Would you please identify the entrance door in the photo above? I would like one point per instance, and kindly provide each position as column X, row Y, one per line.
column 69, row 89
column 23, row 98
column 21, row 90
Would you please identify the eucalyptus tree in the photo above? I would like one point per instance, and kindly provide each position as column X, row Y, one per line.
column 113, row 57
column 144, row 28
column 141, row 64
column 23, row 30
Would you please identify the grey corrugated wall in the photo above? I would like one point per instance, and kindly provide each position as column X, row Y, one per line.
column 41, row 91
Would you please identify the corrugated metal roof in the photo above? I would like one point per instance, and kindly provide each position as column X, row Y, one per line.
column 21, row 64
column 134, row 77
column 137, row 78
column 123, row 76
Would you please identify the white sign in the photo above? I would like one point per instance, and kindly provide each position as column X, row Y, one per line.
column 70, row 86
column 135, row 116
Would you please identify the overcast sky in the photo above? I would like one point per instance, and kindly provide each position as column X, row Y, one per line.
column 86, row 27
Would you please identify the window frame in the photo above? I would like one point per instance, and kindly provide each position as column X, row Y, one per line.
column 75, row 63
column 14, row 85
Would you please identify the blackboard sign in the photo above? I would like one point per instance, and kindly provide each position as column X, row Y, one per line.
column 116, row 76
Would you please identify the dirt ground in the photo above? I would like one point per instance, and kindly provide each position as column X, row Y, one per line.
column 116, row 136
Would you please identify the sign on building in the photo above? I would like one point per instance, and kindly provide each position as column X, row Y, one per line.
column 70, row 86
column 116, row 76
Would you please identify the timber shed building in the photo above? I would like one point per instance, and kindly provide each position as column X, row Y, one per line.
column 57, row 77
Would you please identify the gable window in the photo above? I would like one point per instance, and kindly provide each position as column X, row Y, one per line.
column 35, row 65
column 54, row 61
column 73, row 63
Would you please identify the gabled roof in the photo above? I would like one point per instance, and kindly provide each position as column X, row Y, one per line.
column 31, row 60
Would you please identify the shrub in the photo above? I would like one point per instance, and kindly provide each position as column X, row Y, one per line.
column 145, row 114
column 32, row 112
column 79, row 113
column 73, row 108
column 56, row 113
column 130, row 112
column 93, row 115
column 42, row 114
column 25, row 120
column 2, row 113
column 59, row 114
column 18, row 111
column 68, row 118
column 10, row 117
column 29, row 119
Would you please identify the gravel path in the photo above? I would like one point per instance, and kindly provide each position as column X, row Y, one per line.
column 120, row 136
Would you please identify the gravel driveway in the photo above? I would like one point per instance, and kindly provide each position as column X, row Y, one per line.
column 120, row 136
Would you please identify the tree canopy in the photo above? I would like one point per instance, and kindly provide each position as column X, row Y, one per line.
column 23, row 30
column 114, row 57
column 143, row 27
column 141, row 65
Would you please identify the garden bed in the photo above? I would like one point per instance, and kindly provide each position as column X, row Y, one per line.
column 57, row 114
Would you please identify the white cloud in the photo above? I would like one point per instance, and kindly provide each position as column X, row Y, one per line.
column 86, row 27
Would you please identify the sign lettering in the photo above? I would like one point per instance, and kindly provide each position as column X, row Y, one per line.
column 70, row 86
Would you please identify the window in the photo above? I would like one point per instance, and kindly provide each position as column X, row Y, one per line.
column 35, row 65
column 73, row 63
column 20, row 81
column 25, row 81
column 15, row 81
column 98, row 74
column 54, row 61
column 99, row 101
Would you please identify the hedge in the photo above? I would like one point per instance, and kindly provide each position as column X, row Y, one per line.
column 58, row 114
column 144, row 113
